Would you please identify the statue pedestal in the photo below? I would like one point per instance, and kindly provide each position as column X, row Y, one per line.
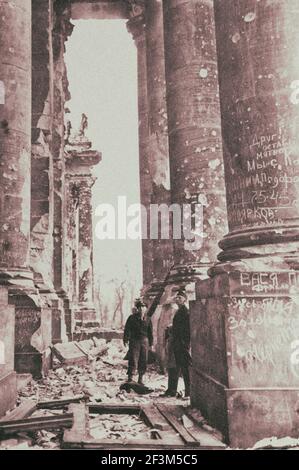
column 245, row 327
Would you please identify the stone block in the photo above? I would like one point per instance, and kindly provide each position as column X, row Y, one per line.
column 245, row 361
column 33, row 337
column 8, row 392
column 23, row 380
column 70, row 354
column 267, row 413
column 35, row 363
column 87, row 317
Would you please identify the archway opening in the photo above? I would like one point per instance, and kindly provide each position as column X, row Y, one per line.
column 101, row 61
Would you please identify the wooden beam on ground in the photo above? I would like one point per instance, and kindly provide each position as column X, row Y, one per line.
column 59, row 404
column 114, row 409
column 36, row 424
column 80, row 429
column 132, row 444
column 206, row 438
column 180, row 429
column 22, row 411
column 153, row 418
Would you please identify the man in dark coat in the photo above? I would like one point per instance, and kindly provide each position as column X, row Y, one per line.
column 139, row 334
column 180, row 343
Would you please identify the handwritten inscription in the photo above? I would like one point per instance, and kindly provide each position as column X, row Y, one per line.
column 265, row 282
column 264, row 186
column 262, row 331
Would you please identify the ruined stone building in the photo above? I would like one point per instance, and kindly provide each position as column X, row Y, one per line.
column 218, row 98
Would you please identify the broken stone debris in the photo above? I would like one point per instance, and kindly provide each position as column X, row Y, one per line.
column 79, row 353
column 118, row 427
column 96, row 380
column 276, row 443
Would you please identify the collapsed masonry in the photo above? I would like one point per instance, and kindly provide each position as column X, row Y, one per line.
column 244, row 300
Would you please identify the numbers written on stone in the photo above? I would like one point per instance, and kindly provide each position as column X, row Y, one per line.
column 262, row 196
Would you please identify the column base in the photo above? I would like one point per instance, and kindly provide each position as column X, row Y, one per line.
column 36, row 363
column 8, row 392
column 244, row 335
column 33, row 336
column 86, row 317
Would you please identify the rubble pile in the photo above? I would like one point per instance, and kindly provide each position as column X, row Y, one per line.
column 95, row 381
column 118, row 427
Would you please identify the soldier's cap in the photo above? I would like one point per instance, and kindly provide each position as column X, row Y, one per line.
column 139, row 303
column 182, row 293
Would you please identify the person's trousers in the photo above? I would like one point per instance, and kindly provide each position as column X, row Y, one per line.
column 173, row 378
column 183, row 362
column 138, row 356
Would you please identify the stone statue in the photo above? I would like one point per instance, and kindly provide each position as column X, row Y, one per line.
column 136, row 7
column 68, row 131
column 83, row 125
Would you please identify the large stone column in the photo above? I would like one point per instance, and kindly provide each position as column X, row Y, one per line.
column 62, row 29
column 42, row 181
column 248, row 367
column 158, row 149
column 136, row 26
column 86, row 288
column 79, row 162
column 15, row 135
column 15, row 183
column 195, row 150
column 196, row 167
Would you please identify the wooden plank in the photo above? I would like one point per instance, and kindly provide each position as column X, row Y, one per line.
column 21, row 412
column 205, row 437
column 118, row 408
column 133, row 444
column 36, row 424
column 59, row 404
column 80, row 429
column 182, row 431
column 154, row 418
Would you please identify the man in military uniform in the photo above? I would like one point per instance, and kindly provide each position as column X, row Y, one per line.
column 139, row 334
column 180, row 346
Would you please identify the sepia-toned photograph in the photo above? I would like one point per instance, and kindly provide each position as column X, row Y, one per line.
column 149, row 228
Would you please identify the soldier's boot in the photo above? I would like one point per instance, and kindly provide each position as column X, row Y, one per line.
column 173, row 379
column 140, row 379
column 172, row 383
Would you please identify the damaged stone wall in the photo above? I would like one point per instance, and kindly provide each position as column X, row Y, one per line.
column 62, row 28
column 80, row 159
column 41, row 241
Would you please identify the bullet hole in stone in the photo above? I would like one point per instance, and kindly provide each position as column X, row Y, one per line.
column 236, row 38
column 203, row 73
column 4, row 126
column 249, row 17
